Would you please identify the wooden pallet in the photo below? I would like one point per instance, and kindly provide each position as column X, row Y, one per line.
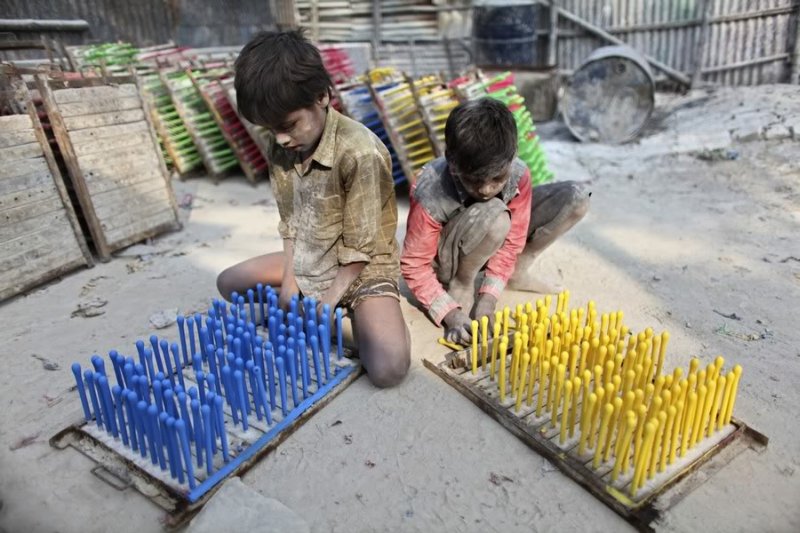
column 104, row 131
column 657, row 496
column 40, row 238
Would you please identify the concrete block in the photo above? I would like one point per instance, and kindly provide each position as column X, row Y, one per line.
column 237, row 507
column 777, row 132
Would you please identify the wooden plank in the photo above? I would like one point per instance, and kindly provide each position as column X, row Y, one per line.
column 113, row 143
column 15, row 138
column 36, row 221
column 100, row 183
column 99, row 106
column 15, row 184
column 103, row 119
column 23, row 151
column 87, row 94
column 37, row 271
column 35, row 264
column 107, row 161
column 22, row 168
column 70, row 159
column 135, row 220
column 15, row 123
column 143, row 229
column 30, row 195
column 43, row 242
column 130, row 197
column 90, row 135
column 15, row 215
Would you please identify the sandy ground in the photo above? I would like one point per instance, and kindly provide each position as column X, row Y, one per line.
column 673, row 239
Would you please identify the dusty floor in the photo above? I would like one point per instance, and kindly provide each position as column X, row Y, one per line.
column 673, row 239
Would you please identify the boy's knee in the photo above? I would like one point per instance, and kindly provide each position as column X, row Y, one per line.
column 391, row 368
column 225, row 282
column 500, row 221
column 579, row 199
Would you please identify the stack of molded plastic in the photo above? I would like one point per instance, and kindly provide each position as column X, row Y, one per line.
column 501, row 87
column 360, row 106
column 339, row 67
column 178, row 146
column 436, row 101
column 115, row 58
column 218, row 156
column 234, row 131
column 403, row 120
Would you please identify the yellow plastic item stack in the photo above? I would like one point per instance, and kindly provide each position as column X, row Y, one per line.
column 436, row 101
column 403, row 119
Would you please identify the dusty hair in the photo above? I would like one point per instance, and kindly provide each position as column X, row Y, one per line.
column 480, row 138
column 278, row 73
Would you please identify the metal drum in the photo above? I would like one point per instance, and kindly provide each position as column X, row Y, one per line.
column 610, row 97
column 504, row 32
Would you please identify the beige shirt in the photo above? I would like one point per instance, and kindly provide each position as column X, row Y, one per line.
column 341, row 209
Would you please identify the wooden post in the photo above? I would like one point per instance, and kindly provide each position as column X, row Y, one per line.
column 702, row 39
column 552, row 44
column 376, row 29
column 794, row 75
column 315, row 20
column 599, row 32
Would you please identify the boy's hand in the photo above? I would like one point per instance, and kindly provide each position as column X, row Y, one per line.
column 485, row 306
column 458, row 327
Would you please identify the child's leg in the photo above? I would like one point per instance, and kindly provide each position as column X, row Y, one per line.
column 556, row 208
column 384, row 344
column 467, row 243
column 265, row 269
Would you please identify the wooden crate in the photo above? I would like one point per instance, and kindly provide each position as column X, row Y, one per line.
column 40, row 237
column 104, row 131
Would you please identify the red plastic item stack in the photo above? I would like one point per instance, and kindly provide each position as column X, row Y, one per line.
column 248, row 153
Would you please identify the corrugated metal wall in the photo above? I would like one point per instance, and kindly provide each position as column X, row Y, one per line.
column 741, row 32
column 144, row 22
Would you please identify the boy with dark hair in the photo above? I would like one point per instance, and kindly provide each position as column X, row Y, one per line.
column 472, row 212
column 332, row 181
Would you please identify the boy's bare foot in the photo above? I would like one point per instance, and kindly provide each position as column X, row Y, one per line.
column 527, row 282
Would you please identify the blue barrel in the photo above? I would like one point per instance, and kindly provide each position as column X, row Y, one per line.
column 504, row 32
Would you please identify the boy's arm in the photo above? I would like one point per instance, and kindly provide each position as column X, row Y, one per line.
column 501, row 266
column 345, row 277
column 416, row 263
column 288, row 282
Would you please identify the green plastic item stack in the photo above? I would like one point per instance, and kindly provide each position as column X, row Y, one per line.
column 501, row 87
column 116, row 58
column 217, row 154
column 179, row 149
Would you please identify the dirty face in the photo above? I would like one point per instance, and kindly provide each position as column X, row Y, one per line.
column 302, row 129
column 483, row 187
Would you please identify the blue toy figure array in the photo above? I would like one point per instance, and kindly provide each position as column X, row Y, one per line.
column 236, row 377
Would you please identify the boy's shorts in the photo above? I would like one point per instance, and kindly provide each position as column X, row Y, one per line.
column 361, row 289
column 463, row 233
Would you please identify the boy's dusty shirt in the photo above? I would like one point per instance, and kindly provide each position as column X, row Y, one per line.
column 342, row 210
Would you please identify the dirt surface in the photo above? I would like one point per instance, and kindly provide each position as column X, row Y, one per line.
column 687, row 227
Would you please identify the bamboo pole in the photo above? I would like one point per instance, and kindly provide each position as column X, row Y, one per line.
column 794, row 75
column 702, row 39
column 552, row 38
column 599, row 32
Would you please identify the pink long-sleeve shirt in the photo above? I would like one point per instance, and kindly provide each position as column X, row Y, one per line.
column 435, row 198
